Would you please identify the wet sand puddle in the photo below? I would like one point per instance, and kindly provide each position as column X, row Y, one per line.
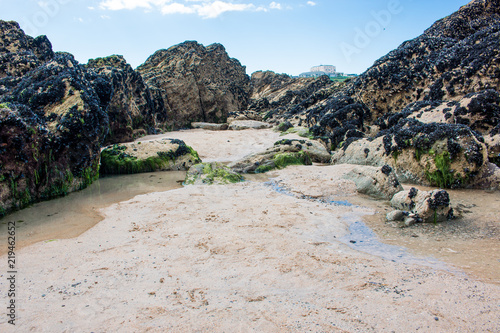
column 361, row 237
column 72, row 215
column 479, row 254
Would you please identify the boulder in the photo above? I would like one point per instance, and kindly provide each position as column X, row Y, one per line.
column 238, row 125
column 442, row 155
column 196, row 83
column 284, row 152
column 421, row 206
column 380, row 183
column 156, row 155
column 210, row 126
column 213, row 173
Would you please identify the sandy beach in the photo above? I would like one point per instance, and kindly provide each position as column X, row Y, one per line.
column 260, row 256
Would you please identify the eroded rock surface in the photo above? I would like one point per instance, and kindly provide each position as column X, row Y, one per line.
column 52, row 124
column 196, row 83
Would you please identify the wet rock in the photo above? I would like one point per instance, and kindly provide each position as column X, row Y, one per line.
column 196, row 83
column 380, row 183
column 443, row 155
column 427, row 206
column 210, row 126
column 213, row 173
column 238, row 125
column 283, row 153
column 52, row 124
column 157, row 155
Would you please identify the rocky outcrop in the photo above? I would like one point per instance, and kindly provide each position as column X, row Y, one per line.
column 379, row 183
column 196, row 83
column 449, row 75
column 131, row 108
column 278, row 97
column 156, row 155
column 51, row 121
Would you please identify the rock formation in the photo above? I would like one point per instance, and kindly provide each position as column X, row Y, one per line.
column 125, row 98
column 279, row 96
column 196, row 83
column 437, row 87
column 284, row 152
column 51, row 121
column 156, row 155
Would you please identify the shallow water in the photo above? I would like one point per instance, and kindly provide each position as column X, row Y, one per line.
column 70, row 216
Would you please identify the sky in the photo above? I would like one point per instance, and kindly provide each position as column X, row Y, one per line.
column 285, row 36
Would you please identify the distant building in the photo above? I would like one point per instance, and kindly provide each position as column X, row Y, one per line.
column 329, row 69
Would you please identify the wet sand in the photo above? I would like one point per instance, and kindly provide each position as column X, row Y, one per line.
column 248, row 257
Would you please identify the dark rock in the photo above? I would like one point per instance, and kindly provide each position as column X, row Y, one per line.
column 125, row 97
column 196, row 83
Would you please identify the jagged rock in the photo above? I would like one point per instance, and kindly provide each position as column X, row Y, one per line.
column 196, row 83
column 280, row 97
column 422, row 206
column 210, row 126
column 213, row 173
column 380, row 183
column 238, row 125
column 448, row 75
column 284, row 152
column 131, row 108
column 157, row 155
column 51, row 123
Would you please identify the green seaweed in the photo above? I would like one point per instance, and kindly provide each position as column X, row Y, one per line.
column 115, row 160
column 264, row 168
column 211, row 173
column 285, row 159
column 443, row 177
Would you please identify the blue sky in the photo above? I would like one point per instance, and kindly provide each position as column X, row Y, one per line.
column 285, row 36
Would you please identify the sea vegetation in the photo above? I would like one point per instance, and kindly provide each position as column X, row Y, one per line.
column 116, row 160
column 212, row 173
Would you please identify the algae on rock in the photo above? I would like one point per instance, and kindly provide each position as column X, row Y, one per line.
column 211, row 174
column 158, row 155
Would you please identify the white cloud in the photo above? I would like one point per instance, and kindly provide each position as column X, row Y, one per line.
column 176, row 8
column 311, row 3
column 214, row 9
column 105, row 17
column 275, row 5
column 202, row 8
column 131, row 4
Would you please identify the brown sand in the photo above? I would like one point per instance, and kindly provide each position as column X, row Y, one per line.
column 247, row 257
